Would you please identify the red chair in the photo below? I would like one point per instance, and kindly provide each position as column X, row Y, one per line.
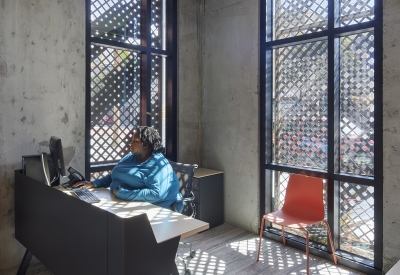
column 303, row 207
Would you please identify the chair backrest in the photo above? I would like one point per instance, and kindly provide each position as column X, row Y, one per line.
column 304, row 197
column 185, row 174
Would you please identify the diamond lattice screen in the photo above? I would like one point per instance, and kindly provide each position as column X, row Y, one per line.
column 298, row 17
column 300, row 105
column 157, row 24
column 317, row 231
column 115, row 102
column 116, row 20
column 356, row 11
column 98, row 175
column 357, row 219
column 357, row 104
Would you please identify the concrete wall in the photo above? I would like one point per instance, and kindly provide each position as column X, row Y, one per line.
column 189, row 80
column 391, row 132
column 42, row 93
column 230, row 105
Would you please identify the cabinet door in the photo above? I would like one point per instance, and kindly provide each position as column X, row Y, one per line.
column 211, row 199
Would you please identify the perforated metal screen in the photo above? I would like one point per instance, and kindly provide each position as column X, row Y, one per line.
column 126, row 90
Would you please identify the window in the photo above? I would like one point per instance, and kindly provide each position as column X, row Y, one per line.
column 131, row 77
column 321, row 115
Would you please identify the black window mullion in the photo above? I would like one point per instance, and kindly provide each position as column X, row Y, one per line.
column 146, row 63
column 263, row 113
column 87, row 90
column 333, row 187
column 378, row 138
column 171, row 82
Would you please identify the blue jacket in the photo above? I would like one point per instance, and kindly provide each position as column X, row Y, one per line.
column 153, row 181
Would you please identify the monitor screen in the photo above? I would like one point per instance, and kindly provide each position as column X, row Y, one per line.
column 56, row 155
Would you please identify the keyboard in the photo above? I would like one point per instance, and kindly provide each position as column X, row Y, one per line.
column 85, row 195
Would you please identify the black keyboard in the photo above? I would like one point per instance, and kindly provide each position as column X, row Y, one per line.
column 85, row 195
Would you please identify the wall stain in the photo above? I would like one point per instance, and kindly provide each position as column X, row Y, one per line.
column 23, row 119
column 65, row 119
column 8, row 187
column 44, row 143
column 69, row 153
column 3, row 68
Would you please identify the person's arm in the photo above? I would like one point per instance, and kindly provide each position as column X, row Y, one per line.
column 151, row 192
column 103, row 182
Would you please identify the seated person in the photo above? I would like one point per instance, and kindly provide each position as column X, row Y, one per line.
column 144, row 174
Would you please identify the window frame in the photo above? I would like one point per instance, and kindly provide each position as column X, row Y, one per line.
column 332, row 34
column 145, row 50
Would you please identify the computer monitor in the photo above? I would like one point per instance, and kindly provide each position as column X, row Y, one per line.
column 56, row 155
column 40, row 168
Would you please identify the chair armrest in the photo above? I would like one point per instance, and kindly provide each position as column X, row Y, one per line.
column 191, row 198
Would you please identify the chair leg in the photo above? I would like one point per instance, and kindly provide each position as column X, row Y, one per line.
column 307, row 251
column 330, row 240
column 259, row 243
column 283, row 235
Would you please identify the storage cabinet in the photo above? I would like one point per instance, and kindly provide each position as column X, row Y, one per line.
column 209, row 196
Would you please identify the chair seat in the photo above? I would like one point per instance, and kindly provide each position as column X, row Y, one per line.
column 282, row 218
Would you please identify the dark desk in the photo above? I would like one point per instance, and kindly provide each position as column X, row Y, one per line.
column 114, row 237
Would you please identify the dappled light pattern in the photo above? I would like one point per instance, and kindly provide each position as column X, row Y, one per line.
column 246, row 247
column 204, row 263
column 229, row 250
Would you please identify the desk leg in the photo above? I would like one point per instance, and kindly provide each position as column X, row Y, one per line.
column 26, row 260
column 175, row 270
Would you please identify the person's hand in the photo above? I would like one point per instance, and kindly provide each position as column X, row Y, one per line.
column 116, row 190
column 85, row 184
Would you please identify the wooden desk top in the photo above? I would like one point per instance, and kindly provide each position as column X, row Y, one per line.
column 395, row 269
column 166, row 224
column 204, row 172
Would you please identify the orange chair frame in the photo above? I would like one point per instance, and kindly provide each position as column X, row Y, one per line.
column 303, row 207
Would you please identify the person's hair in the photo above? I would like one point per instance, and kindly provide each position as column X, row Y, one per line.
column 149, row 136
